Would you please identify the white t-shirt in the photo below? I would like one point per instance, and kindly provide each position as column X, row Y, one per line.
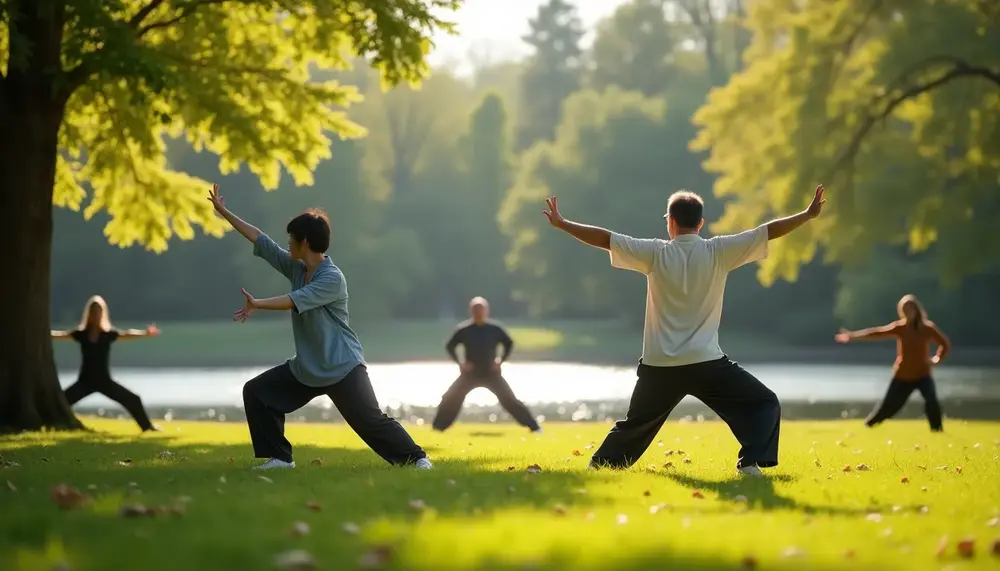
column 685, row 283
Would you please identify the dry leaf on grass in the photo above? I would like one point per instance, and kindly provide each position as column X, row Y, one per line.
column 687, row 460
column 313, row 505
column 165, row 454
column 904, row 480
column 942, row 547
column 995, row 548
column 749, row 562
column 533, row 469
column 266, row 479
column 11, row 486
column 316, row 461
column 647, row 493
column 668, row 452
column 697, row 494
column 958, row 469
column 846, row 468
column 294, row 560
column 874, row 517
column 300, row 529
column 967, row 547
column 577, row 453
column 993, row 522
column 559, row 509
column 351, row 528
column 863, row 468
column 135, row 510
column 375, row 557
column 67, row 497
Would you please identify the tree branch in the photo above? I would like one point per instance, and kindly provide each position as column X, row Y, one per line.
column 141, row 15
column 186, row 10
column 958, row 69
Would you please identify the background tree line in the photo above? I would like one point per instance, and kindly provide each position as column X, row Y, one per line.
column 757, row 101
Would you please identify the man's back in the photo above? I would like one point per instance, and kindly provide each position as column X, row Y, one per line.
column 686, row 281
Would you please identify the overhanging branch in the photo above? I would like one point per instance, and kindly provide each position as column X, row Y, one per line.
column 892, row 98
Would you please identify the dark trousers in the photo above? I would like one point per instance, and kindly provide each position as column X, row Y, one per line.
column 87, row 385
column 897, row 395
column 268, row 397
column 451, row 402
column 749, row 408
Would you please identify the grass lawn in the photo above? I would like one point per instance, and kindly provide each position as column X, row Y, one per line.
column 483, row 511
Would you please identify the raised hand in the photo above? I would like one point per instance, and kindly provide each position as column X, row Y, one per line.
column 553, row 214
column 246, row 311
column 216, row 199
column 816, row 206
column 842, row 336
column 152, row 330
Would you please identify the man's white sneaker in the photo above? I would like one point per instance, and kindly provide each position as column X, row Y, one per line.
column 423, row 464
column 274, row 464
column 751, row 470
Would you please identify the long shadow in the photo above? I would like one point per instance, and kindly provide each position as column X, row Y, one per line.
column 760, row 494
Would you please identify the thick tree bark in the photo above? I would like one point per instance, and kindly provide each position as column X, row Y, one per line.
column 32, row 105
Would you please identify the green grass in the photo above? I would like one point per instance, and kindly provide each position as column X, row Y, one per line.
column 484, row 511
column 265, row 341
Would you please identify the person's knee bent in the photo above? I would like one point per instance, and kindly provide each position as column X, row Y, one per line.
column 249, row 393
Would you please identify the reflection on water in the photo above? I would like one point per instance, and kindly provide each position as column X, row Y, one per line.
column 421, row 384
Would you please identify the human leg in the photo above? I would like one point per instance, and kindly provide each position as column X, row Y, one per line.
column 267, row 398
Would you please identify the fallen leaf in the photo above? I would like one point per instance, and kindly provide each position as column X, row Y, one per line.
column 229, row 459
column 942, row 547
column 11, row 486
column 941, row 468
column 450, row 483
column 375, row 557
column 668, row 465
column 849, row 554
column 923, row 509
column 897, row 509
column 511, row 468
column 680, row 452
column 577, row 453
column 846, row 468
column 995, row 548
column 8, row 464
column 863, row 468
column 351, row 528
column 647, row 493
column 316, row 461
column 266, row 479
column 874, row 517
column 559, row 509
column 904, row 480
column 133, row 510
column 300, row 529
column 222, row 479
column 967, row 547
column 668, row 452
column 749, row 562
column 977, row 445
column 67, row 497
column 657, row 508
column 958, row 469
column 923, row 488
column 817, row 463
column 792, row 552
column 687, row 460
column 166, row 454
column 418, row 505
column 295, row 559
column 313, row 505
column 125, row 463
column 697, row 494
column 533, row 469
column 993, row 522
column 916, row 447
column 921, row 467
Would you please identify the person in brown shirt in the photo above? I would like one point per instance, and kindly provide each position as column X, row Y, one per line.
column 912, row 371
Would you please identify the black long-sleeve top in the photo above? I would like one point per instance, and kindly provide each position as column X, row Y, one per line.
column 480, row 342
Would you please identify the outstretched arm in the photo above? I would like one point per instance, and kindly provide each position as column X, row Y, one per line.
column 248, row 231
column 60, row 334
column 591, row 235
column 782, row 226
column 884, row 332
column 149, row 331
column 943, row 343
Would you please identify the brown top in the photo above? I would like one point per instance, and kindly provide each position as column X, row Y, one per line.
column 913, row 359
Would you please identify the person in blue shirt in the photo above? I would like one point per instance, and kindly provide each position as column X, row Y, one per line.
column 328, row 355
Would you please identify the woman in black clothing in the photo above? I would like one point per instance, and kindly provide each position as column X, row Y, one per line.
column 95, row 336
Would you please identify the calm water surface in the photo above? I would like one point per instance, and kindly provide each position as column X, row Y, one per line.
column 421, row 384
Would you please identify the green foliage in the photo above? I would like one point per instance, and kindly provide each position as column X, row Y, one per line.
column 635, row 49
column 234, row 78
column 891, row 104
column 552, row 73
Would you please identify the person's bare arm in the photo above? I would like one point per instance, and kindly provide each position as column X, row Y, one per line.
column 591, row 235
column 883, row 332
column 783, row 226
column 60, row 334
column 150, row 331
column 247, row 230
column 943, row 343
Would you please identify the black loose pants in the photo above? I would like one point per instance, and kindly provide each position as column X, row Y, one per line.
column 897, row 395
column 88, row 384
column 268, row 397
column 749, row 408
column 451, row 402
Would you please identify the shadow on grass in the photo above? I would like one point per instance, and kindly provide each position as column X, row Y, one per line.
column 760, row 494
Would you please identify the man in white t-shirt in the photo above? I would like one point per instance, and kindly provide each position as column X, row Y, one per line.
column 685, row 282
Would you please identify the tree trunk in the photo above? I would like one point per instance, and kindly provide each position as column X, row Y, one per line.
column 30, row 395
column 31, row 111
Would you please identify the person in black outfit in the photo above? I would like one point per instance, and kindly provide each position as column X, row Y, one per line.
column 480, row 368
column 95, row 336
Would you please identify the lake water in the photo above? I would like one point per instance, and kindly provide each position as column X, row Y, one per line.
column 421, row 384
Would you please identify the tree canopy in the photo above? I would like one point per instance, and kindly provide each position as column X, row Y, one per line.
column 892, row 104
column 232, row 77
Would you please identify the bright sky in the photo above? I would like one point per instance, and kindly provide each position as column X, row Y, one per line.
column 491, row 30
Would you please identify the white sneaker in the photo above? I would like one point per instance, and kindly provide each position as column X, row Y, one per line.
column 274, row 463
column 423, row 464
column 751, row 470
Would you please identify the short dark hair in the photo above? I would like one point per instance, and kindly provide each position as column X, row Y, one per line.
column 313, row 226
column 686, row 208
